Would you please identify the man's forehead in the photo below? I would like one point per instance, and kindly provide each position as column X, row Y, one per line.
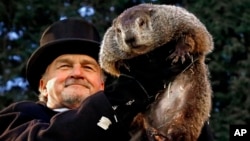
column 75, row 57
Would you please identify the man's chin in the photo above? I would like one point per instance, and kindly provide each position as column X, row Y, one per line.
column 74, row 98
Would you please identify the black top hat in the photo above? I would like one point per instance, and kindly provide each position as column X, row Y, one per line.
column 69, row 36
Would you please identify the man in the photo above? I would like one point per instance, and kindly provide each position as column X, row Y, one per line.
column 70, row 83
column 74, row 102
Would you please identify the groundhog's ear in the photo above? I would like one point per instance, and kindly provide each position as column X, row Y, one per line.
column 151, row 11
column 114, row 21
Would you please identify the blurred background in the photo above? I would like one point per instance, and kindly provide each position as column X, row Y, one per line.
column 22, row 22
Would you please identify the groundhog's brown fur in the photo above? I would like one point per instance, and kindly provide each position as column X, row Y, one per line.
column 180, row 111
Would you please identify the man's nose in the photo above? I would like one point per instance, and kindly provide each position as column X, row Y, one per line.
column 77, row 71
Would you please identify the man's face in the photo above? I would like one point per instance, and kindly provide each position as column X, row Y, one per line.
column 70, row 79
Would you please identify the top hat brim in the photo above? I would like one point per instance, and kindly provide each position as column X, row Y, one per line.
column 45, row 54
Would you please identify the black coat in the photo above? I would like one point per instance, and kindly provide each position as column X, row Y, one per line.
column 33, row 121
column 30, row 121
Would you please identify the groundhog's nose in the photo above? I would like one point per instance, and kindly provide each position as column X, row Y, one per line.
column 130, row 39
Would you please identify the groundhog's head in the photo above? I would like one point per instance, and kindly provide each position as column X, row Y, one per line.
column 145, row 27
column 131, row 34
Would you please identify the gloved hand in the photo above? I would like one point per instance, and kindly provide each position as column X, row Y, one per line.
column 128, row 96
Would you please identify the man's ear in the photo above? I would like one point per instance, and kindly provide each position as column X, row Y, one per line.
column 42, row 87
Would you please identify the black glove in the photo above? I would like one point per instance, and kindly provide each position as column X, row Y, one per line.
column 127, row 96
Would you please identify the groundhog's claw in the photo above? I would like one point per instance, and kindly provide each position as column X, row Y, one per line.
column 179, row 54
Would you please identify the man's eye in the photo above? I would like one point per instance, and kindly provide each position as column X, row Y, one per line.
column 64, row 66
column 89, row 67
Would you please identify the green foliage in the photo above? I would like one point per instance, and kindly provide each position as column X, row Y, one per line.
column 229, row 63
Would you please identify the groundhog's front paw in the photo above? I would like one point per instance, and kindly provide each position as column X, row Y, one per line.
column 183, row 49
column 179, row 54
column 154, row 135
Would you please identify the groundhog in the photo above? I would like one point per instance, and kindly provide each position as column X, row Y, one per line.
column 177, row 36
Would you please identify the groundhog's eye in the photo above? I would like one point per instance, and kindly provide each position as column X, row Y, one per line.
column 141, row 22
column 118, row 30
